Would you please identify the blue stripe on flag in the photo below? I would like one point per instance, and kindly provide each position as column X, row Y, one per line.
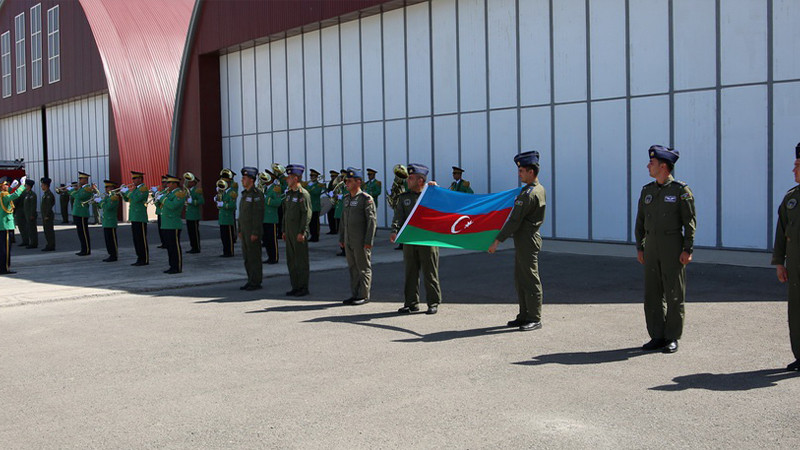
column 448, row 201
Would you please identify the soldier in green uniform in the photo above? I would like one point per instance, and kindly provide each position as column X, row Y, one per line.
column 417, row 257
column 786, row 255
column 110, row 208
column 172, row 203
column 315, row 189
column 158, row 196
column 30, row 204
column 459, row 184
column 272, row 202
column 80, row 211
column 296, row 218
column 356, row 235
column 63, row 199
column 523, row 224
column 665, row 226
column 7, row 220
column 193, row 203
column 48, row 216
column 137, row 215
column 339, row 193
column 226, row 203
column 20, row 218
column 332, row 225
column 373, row 187
column 251, row 216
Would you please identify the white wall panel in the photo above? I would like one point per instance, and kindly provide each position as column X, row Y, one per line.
column 420, row 141
column 536, row 136
column 649, row 126
column 314, row 157
column 534, row 51
column 264, row 151
column 445, row 147
column 331, row 89
column 226, row 152
column 696, row 139
column 294, row 74
column 352, row 145
column 502, row 33
column 695, row 41
column 250, row 152
column 473, row 150
column 504, row 146
column 373, row 158
column 649, row 46
column 394, row 50
column 743, row 36
column 237, row 154
column 571, row 172
column 785, row 138
column 372, row 71
column 609, row 171
column 786, row 35
column 224, row 95
column 744, row 157
column 249, row 125
column 263, row 89
column 351, row 72
column 418, row 60
column 280, row 148
column 312, row 77
column 333, row 148
column 445, row 62
column 608, row 51
column 396, row 145
column 277, row 62
column 569, row 50
column 235, row 93
column 472, row 54
column 297, row 147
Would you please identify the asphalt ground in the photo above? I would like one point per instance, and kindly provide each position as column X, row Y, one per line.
column 104, row 355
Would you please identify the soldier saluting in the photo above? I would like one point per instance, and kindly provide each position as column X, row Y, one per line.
column 356, row 235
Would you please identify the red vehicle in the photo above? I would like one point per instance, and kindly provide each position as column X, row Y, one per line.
column 14, row 170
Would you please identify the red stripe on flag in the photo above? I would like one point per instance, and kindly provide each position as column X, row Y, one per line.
column 449, row 223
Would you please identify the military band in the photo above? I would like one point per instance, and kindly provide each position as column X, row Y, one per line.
column 459, row 184
column 226, row 204
column 137, row 195
column 109, row 206
column 48, row 215
column 7, row 208
column 315, row 190
column 63, row 201
column 273, row 197
column 158, row 195
column 331, row 214
column 194, row 201
column 172, row 203
column 373, row 186
column 81, row 196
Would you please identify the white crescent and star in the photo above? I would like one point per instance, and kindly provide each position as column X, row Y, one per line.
column 459, row 220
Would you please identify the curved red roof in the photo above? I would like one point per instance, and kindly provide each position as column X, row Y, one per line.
column 141, row 45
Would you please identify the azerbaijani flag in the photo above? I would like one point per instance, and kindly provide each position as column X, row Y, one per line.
column 445, row 218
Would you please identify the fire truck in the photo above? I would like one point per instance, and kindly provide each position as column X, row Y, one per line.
column 14, row 170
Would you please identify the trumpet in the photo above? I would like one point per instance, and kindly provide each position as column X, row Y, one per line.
column 398, row 187
column 117, row 190
column 337, row 182
column 65, row 189
column 91, row 199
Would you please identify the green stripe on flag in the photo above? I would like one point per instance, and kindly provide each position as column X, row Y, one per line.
column 470, row 241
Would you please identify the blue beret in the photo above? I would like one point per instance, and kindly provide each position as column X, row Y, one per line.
column 530, row 158
column 352, row 172
column 420, row 169
column 664, row 153
column 251, row 172
column 46, row 181
column 295, row 169
column 797, row 151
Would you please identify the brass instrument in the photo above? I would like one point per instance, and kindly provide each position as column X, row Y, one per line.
column 398, row 187
column 222, row 186
column 189, row 176
column 337, row 182
column 264, row 180
column 278, row 170
column 117, row 190
column 91, row 199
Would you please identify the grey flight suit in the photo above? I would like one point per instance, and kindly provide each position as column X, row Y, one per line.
column 296, row 220
column 665, row 226
column 251, row 213
column 31, row 230
column 787, row 252
column 359, row 221
column 417, row 257
column 523, row 224
column 48, row 218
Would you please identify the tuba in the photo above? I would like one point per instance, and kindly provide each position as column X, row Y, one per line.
column 398, row 186
column 278, row 170
column 189, row 176
column 264, row 180
column 222, row 186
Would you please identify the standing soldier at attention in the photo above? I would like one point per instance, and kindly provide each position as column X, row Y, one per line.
column 226, row 203
column 193, row 203
column 80, row 212
column 359, row 221
column 296, row 218
column 158, row 196
column 20, row 218
column 110, row 208
column 417, row 257
column 460, row 185
column 339, row 194
column 786, row 255
column 272, row 202
column 137, row 215
column 31, row 216
column 315, row 190
column 172, row 204
column 665, row 225
column 251, row 216
column 7, row 221
column 63, row 200
column 373, row 187
column 48, row 216
column 332, row 225
column 523, row 224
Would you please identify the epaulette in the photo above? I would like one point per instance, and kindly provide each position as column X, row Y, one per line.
column 198, row 190
column 114, row 198
column 143, row 188
column 180, row 194
column 234, row 194
column 277, row 189
column 466, row 183
column 793, row 189
column 648, row 184
column 87, row 188
column 680, row 183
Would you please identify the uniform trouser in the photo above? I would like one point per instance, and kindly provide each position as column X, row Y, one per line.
column 22, row 225
column 172, row 240
column 49, row 231
column 5, row 250
column 359, row 260
column 193, row 229
column 269, row 240
column 160, row 231
column 65, row 212
column 280, row 220
column 252, row 260
column 82, row 225
column 314, row 226
column 526, row 277
column 226, row 234
column 96, row 213
column 297, row 261
column 332, row 224
column 664, row 287
column 794, row 307
column 139, row 230
column 416, row 258
column 33, row 232
column 110, row 234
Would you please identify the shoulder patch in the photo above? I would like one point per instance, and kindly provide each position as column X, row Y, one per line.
column 277, row 189
column 466, row 183
column 680, row 183
column 143, row 189
column 87, row 188
column 793, row 189
column 198, row 190
column 180, row 194
column 234, row 194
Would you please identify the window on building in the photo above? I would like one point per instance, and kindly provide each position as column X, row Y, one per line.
column 53, row 46
column 36, row 46
column 5, row 62
column 19, row 52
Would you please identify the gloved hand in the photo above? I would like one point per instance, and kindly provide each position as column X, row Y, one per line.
column 124, row 189
column 158, row 197
column 189, row 200
column 154, row 189
column 331, row 194
column 219, row 204
column 70, row 188
column 14, row 184
column 23, row 180
column 340, row 196
column 97, row 199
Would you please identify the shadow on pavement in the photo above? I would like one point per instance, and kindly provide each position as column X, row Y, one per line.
column 366, row 320
column 441, row 336
column 737, row 381
column 297, row 308
column 579, row 358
